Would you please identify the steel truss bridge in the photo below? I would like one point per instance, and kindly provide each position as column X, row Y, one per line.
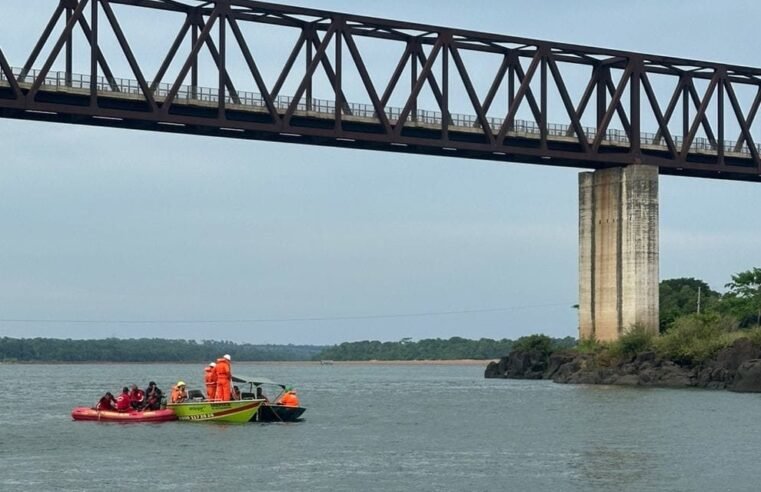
column 686, row 127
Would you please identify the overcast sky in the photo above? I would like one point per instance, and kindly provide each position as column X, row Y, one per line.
column 115, row 225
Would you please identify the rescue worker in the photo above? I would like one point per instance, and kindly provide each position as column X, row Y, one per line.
column 289, row 398
column 136, row 397
column 179, row 394
column 260, row 395
column 107, row 402
column 224, row 376
column 123, row 401
column 153, row 397
column 210, row 378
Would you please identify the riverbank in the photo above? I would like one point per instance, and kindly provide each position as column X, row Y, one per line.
column 736, row 367
column 456, row 362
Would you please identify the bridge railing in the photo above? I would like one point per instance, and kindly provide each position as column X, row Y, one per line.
column 129, row 87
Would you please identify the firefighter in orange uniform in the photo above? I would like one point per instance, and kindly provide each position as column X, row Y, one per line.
column 289, row 398
column 224, row 375
column 179, row 394
column 210, row 378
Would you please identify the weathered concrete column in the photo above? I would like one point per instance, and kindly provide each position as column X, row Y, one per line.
column 618, row 251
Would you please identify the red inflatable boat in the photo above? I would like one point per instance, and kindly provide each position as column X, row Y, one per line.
column 86, row 413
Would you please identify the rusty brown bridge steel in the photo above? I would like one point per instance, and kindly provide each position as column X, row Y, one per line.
column 527, row 67
column 618, row 202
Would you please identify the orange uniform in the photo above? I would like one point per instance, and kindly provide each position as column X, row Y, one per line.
column 179, row 394
column 224, row 383
column 210, row 378
column 289, row 399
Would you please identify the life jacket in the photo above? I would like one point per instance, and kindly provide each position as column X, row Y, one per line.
column 178, row 396
column 105, row 403
column 210, row 377
column 289, row 400
column 222, row 370
column 123, row 402
column 137, row 396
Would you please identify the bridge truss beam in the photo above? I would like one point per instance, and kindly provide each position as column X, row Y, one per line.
column 618, row 87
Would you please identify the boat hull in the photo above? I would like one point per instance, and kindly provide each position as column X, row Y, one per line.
column 90, row 414
column 239, row 411
column 277, row 413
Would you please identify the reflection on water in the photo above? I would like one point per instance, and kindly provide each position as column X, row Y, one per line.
column 381, row 428
column 604, row 465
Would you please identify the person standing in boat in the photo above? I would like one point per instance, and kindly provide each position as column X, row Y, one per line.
column 153, row 397
column 210, row 378
column 260, row 395
column 224, row 378
column 179, row 394
column 107, row 402
column 136, row 397
column 289, row 398
column 123, row 401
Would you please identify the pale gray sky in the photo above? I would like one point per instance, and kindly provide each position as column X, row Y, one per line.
column 100, row 224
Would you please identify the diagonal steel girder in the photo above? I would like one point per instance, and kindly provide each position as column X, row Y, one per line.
column 526, row 70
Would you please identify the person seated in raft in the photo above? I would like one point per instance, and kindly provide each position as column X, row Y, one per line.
column 136, row 397
column 235, row 394
column 179, row 394
column 107, row 402
column 289, row 398
column 153, row 397
column 123, row 401
column 260, row 395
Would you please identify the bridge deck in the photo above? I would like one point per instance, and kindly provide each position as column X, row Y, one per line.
column 636, row 91
column 205, row 100
column 206, row 97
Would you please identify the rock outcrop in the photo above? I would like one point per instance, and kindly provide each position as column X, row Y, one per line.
column 530, row 364
column 735, row 368
column 748, row 377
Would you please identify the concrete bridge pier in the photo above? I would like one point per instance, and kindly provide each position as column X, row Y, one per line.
column 618, row 251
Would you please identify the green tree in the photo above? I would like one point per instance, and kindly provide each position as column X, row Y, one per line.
column 543, row 343
column 744, row 297
column 679, row 297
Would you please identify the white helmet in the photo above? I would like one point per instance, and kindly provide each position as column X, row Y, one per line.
column 226, row 356
column 213, row 364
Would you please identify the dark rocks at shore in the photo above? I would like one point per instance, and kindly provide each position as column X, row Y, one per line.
column 530, row 364
column 735, row 368
column 748, row 377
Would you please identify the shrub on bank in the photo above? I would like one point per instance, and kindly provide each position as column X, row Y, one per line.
column 636, row 340
column 698, row 337
column 690, row 340
column 588, row 346
column 754, row 334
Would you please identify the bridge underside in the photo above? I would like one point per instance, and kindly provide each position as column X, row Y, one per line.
column 361, row 131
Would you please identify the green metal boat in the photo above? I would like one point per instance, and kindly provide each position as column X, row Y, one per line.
column 237, row 411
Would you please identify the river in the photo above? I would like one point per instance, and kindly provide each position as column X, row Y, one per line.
column 381, row 427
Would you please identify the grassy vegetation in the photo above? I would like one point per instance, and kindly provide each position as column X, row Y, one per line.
column 690, row 340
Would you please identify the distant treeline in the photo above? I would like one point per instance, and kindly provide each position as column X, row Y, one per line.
column 145, row 350
column 431, row 349
column 163, row 350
